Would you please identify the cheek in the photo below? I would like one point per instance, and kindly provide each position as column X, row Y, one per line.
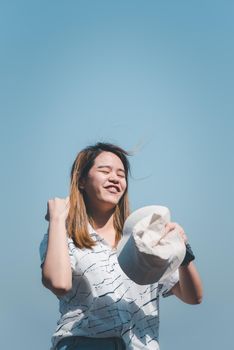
column 94, row 182
column 124, row 185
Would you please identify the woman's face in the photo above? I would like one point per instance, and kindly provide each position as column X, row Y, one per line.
column 105, row 183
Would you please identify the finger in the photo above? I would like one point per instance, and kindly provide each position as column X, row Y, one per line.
column 169, row 229
column 183, row 235
column 185, row 238
column 170, row 226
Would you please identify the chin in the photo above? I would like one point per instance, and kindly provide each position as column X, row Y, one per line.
column 109, row 200
column 111, row 203
column 114, row 203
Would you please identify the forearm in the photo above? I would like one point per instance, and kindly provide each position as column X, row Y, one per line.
column 56, row 271
column 189, row 288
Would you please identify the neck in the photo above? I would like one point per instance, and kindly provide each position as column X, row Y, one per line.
column 102, row 219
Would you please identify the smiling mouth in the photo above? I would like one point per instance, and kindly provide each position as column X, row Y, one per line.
column 112, row 190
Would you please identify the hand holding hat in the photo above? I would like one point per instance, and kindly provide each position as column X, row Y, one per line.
column 189, row 256
column 150, row 250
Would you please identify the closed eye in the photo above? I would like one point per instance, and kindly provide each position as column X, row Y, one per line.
column 122, row 176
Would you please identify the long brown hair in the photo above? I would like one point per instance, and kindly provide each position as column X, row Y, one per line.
column 78, row 218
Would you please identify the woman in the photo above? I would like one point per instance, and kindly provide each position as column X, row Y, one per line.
column 101, row 308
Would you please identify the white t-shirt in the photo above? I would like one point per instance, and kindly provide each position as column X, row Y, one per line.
column 104, row 302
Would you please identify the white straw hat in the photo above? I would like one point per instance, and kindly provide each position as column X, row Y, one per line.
column 145, row 253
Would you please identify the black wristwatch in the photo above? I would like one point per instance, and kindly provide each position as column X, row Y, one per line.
column 189, row 256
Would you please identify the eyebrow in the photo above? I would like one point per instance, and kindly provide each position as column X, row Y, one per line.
column 109, row 167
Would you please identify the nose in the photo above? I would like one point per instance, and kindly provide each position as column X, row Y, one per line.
column 113, row 178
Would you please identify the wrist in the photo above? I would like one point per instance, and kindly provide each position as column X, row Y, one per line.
column 57, row 221
column 189, row 256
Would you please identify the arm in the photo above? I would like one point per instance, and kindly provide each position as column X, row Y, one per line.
column 189, row 287
column 56, row 270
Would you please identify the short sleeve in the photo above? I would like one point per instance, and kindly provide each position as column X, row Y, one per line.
column 168, row 283
column 71, row 249
column 43, row 248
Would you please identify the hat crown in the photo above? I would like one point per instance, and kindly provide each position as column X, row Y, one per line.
column 146, row 252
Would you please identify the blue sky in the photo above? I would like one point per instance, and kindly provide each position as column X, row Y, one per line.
column 155, row 77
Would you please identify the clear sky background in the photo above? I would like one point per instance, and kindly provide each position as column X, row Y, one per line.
column 152, row 76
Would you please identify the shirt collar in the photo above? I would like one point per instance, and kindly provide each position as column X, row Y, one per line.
column 95, row 236
column 91, row 230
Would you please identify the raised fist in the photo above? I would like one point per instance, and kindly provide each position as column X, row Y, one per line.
column 57, row 208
